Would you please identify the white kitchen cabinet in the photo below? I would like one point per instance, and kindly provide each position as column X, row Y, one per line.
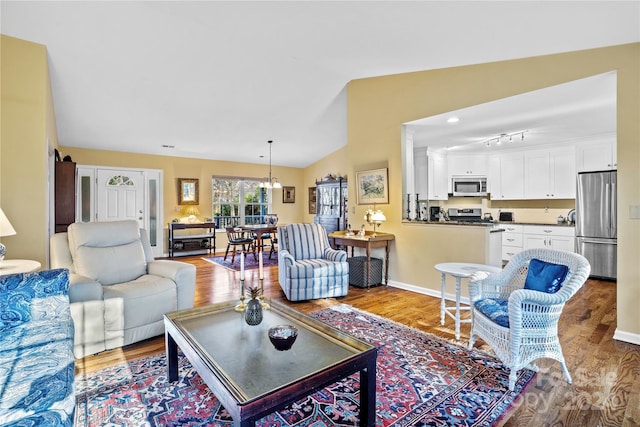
column 475, row 164
column 549, row 237
column 494, row 249
column 564, row 173
column 493, row 176
column 511, row 240
column 596, row 156
column 437, row 174
column 550, row 174
column 511, row 184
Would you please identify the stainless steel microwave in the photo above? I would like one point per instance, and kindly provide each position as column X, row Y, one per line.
column 469, row 186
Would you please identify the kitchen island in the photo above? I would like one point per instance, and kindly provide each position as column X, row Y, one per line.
column 430, row 243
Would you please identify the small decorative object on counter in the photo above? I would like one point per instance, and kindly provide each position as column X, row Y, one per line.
column 362, row 232
column 560, row 219
column 271, row 219
column 253, row 311
column 283, row 336
column 349, row 231
column 409, row 206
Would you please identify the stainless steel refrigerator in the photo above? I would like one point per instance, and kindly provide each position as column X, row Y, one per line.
column 596, row 229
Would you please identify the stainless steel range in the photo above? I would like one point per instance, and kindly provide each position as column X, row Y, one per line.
column 470, row 216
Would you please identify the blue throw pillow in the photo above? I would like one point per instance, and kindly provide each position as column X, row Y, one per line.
column 495, row 309
column 545, row 276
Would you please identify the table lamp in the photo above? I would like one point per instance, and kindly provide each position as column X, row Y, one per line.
column 375, row 217
column 6, row 229
column 192, row 213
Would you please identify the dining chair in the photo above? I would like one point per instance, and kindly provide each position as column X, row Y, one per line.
column 268, row 240
column 237, row 238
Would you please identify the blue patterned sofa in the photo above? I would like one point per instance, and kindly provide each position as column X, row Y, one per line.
column 36, row 350
column 308, row 268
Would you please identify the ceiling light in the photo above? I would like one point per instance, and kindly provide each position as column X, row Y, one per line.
column 453, row 120
column 272, row 182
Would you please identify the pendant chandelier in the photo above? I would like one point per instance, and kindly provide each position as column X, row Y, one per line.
column 272, row 182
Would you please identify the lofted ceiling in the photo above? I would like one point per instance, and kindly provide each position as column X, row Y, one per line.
column 217, row 79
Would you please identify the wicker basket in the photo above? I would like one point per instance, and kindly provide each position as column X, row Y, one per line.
column 357, row 273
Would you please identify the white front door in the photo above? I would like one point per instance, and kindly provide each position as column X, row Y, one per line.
column 120, row 195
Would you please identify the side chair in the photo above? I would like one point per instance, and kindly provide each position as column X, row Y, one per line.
column 239, row 238
column 516, row 311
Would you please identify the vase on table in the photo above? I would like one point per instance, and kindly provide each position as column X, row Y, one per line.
column 271, row 219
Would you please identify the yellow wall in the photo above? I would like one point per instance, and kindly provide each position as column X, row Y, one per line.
column 378, row 106
column 27, row 123
column 335, row 163
column 183, row 167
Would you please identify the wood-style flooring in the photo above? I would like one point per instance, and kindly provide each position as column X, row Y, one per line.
column 606, row 373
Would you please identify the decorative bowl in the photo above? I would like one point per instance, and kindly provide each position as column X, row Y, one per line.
column 283, row 336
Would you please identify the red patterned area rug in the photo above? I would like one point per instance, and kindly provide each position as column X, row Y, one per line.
column 422, row 380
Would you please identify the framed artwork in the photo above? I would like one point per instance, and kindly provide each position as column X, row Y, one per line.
column 372, row 186
column 312, row 200
column 288, row 194
column 188, row 191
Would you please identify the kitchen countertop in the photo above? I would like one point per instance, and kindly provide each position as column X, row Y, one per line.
column 555, row 224
column 487, row 224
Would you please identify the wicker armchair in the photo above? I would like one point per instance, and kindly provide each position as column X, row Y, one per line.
column 529, row 318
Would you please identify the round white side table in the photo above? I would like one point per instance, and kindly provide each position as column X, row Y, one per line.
column 13, row 266
column 459, row 270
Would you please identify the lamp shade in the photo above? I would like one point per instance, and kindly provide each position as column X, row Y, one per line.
column 192, row 210
column 6, row 229
column 378, row 216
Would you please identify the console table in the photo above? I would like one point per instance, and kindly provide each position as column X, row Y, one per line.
column 368, row 241
column 192, row 244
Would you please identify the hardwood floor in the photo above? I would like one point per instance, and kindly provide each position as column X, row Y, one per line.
column 606, row 373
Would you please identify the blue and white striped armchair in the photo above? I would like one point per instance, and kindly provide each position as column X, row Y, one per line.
column 516, row 311
column 308, row 268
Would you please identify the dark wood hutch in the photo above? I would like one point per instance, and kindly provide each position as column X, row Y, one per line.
column 331, row 203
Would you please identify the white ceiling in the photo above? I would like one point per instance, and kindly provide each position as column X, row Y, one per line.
column 580, row 111
column 218, row 79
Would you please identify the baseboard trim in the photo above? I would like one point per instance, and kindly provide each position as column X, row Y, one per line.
column 425, row 291
column 626, row 337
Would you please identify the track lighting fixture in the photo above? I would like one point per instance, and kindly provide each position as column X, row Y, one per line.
column 503, row 137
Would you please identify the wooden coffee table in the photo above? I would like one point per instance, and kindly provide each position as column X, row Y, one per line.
column 249, row 376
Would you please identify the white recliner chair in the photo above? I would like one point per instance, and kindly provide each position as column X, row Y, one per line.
column 118, row 291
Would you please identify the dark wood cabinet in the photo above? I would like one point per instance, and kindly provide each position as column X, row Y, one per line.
column 65, row 195
column 331, row 204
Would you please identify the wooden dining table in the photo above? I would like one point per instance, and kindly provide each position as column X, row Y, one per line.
column 259, row 230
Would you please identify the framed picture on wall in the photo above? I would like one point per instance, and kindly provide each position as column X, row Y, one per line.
column 188, row 191
column 288, row 194
column 372, row 186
